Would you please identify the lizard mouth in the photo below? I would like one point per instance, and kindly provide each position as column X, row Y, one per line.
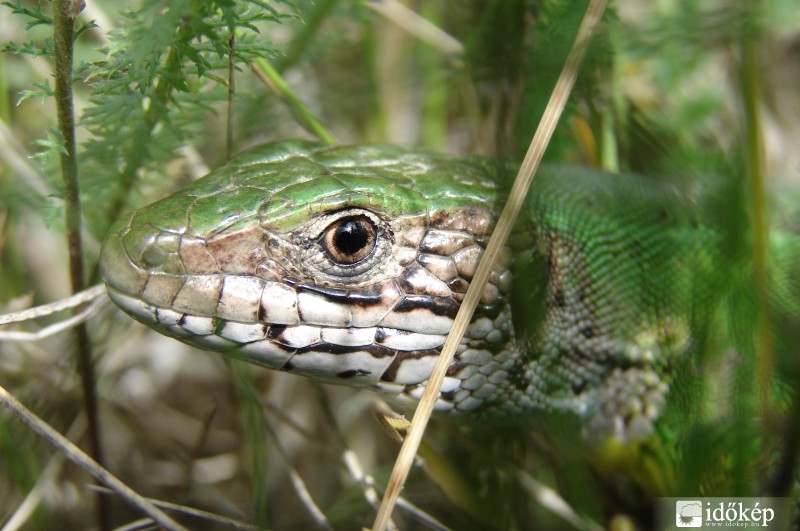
column 394, row 361
column 363, row 355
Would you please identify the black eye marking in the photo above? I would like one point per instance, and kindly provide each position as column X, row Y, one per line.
column 349, row 240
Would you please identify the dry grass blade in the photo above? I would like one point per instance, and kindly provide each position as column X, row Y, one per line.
column 79, row 298
column 418, row 26
column 19, row 161
column 544, row 132
column 300, row 487
column 74, row 454
column 549, row 498
column 55, row 328
column 211, row 518
column 28, row 507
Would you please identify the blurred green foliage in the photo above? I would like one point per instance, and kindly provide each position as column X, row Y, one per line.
column 660, row 92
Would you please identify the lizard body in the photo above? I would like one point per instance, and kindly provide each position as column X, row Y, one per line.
column 348, row 264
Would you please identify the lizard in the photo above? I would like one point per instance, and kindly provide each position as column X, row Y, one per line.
column 347, row 264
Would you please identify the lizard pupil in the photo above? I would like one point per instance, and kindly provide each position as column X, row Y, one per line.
column 350, row 239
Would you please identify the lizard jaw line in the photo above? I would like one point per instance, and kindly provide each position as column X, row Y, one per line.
column 352, row 355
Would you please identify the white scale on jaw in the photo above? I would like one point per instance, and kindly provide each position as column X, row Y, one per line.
column 276, row 325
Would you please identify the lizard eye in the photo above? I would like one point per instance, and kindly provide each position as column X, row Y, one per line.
column 349, row 240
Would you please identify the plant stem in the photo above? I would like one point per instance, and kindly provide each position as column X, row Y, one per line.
column 231, row 94
column 91, row 466
column 321, row 10
column 516, row 198
column 754, row 161
column 273, row 80
column 5, row 106
column 64, row 12
column 435, row 95
column 255, row 437
column 143, row 133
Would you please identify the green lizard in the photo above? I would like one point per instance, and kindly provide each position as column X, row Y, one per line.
column 347, row 264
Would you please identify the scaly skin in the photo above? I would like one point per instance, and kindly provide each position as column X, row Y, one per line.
column 348, row 264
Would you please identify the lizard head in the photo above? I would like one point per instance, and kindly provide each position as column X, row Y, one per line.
column 346, row 264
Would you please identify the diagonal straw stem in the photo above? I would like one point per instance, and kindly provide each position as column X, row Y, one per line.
column 530, row 164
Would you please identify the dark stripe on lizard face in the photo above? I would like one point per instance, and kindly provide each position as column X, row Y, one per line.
column 443, row 306
column 366, row 296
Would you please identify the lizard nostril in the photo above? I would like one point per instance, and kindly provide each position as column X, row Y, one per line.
column 153, row 256
column 153, row 249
